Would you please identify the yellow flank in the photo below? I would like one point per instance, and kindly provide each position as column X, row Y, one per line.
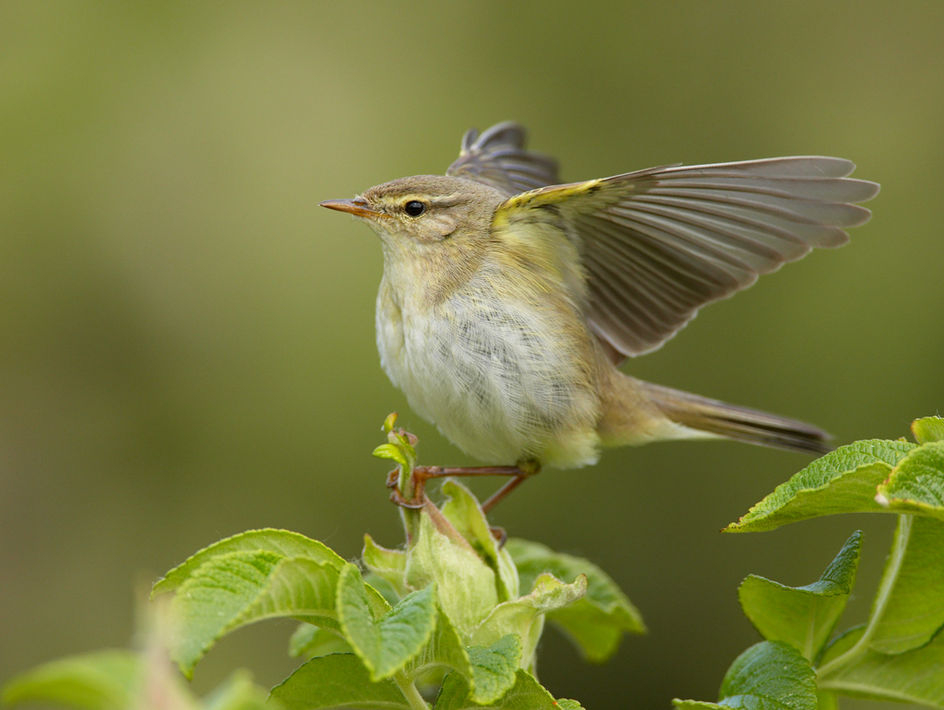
column 536, row 250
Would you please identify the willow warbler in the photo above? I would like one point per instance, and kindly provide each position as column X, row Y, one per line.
column 508, row 299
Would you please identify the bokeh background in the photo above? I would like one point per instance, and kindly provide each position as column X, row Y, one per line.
column 186, row 339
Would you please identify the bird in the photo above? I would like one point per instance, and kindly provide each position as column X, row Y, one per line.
column 509, row 299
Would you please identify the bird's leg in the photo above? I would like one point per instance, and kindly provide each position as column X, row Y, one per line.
column 525, row 469
column 519, row 472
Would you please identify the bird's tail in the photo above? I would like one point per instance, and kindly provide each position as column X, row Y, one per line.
column 734, row 422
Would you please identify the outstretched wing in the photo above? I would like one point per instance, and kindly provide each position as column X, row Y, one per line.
column 498, row 158
column 658, row 244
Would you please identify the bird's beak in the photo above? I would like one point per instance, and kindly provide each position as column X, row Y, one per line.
column 357, row 207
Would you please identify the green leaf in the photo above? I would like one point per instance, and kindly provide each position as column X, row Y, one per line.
column 770, row 675
column 398, row 446
column 383, row 588
column 490, row 670
column 239, row 693
column 242, row 587
column 494, row 668
column 694, row 704
column 802, row 616
column 595, row 623
column 309, row 641
column 915, row 609
column 524, row 617
column 444, row 650
column 391, row 451
column 339, row 680
column 826, row 700
column 839, row 645
column 465, row 584
column 389, row 422
column 917, row 483
column 915, row 676
column 842, row 481
column 387, row 645
column 387, row 564
column 928, row 429
column 463, row 511
column 526, row 694
column 282, row 542
column 104, row 680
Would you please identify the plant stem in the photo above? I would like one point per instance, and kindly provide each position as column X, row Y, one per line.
column 412, row 695
column 882, row 598
column 409, row 516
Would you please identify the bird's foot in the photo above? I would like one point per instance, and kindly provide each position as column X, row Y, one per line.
column 421, row 474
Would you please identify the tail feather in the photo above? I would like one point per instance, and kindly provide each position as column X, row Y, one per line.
column 740, row 423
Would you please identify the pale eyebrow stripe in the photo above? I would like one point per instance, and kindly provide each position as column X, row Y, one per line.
column 450, row 200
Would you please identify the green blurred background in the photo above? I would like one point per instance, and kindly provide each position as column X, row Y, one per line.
column 186, row 339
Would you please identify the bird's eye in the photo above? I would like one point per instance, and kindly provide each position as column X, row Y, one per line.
column 414, row 208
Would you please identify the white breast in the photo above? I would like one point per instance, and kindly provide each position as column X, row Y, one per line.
column 493, row 376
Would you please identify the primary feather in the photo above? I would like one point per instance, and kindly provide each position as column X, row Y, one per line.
column 658, row 244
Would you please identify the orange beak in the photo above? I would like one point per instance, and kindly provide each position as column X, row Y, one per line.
column 357, row 207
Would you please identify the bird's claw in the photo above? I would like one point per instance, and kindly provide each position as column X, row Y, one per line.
column 397, row 497
column 500, row 535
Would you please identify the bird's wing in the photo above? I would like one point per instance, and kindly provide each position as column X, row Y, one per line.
column 658, row 244
column 497, row 157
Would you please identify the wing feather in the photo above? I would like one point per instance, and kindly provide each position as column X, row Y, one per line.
column 498, row 158
column 658, row 244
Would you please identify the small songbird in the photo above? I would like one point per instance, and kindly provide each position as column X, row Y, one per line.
column 508, row 299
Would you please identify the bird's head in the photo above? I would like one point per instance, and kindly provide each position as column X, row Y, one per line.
column 424, row 209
